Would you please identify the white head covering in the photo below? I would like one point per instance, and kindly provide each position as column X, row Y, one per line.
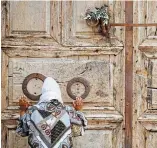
column 50, row 90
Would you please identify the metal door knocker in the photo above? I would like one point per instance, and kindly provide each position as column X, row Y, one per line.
column 25, row 83
column 84, row 82
column 99, row 18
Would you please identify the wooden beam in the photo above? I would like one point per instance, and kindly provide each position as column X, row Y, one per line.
column 133, row 25
column 128, row 73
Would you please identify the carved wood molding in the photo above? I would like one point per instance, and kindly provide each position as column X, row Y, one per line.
column 149, row 52
column 103, row 119
column 98, row 118
column 29, row 47
column 54, row 52
column 149, row 120
column 149, row 44
column 149, row 47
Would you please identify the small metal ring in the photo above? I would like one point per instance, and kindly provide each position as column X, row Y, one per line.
column 80, row 80
column 25, row 83
column 92, row 23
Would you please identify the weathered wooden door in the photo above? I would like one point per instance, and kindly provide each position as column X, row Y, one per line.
column 53, row 39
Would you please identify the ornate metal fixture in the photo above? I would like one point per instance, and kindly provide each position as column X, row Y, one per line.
column 99, row 18
column 25, row 82
column 78, row 80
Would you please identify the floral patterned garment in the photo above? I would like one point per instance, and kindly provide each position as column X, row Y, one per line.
column 51, row 125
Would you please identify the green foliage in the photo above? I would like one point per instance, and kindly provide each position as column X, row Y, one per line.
column 98, row 14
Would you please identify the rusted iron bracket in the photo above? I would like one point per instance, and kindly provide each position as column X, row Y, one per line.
column 133, row 25
column 25, row 82
column 128, row 73
column 80, row 80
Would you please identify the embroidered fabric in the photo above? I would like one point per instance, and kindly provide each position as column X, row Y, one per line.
column 52, row 125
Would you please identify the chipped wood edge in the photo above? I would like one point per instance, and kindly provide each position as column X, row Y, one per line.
column 4, row 81
column 55, row 20
column 149, row 120
column 49, row 52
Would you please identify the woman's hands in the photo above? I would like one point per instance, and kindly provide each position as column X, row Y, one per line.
column 24, row 104
column 78, row 103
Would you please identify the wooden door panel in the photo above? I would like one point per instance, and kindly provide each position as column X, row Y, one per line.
column 15, row 141
column 101, row 107
column 99, row 139
column 35, row 45
column 152, row 83
column 25, row 18
column 54, row 40
column 100, row 110
column 76, row 32
column 29, row 17
column 145, row 47
column 145, row 109
column 97, row 72
column 146, row 104
column 29, row 23
column 151, row 140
